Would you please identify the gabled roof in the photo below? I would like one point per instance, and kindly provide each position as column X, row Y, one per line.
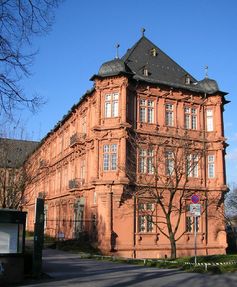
column 14, row 152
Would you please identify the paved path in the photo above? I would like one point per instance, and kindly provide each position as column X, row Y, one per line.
column 67, row 269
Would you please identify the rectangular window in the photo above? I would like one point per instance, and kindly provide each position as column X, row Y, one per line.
column 192, row 165
column 190, row 118
column 141, row 223
column 146, row 161
column 209, row 117
column 145, row 218
column 107, row 109
column 211, row 166
column 110, row 157
column 187, row 118
column 169, row 115
column 190, row 224
column 150, row 112
column 169, row 162
column 149, row 223
column 193, row 119
column 113, row 156
column 146, row 111
column 115, row 105
column 142, row 161
column 111, row 105
column 142, row 114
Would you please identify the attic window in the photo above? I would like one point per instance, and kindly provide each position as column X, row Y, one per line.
column 145, row 72
column 153, row 52
column 187, row 80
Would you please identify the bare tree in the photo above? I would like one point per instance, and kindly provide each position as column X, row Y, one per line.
column 161, row 172
column 20, row 20
column 14, row 175
column 231, row 202
column 230, row 212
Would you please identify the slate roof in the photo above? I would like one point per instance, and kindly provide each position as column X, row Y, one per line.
column 14, row 152
column 160, row 66
column 161, row 69
column 114, row 67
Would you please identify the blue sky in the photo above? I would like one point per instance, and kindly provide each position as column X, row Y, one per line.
column 193, row 33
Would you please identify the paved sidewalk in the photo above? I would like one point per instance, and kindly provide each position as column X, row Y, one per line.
column 68, row 269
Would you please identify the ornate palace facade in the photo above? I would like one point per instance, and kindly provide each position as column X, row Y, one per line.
column 147, row 132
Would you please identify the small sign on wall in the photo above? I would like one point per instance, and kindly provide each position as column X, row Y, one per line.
column 195, row 209
column 8, row 237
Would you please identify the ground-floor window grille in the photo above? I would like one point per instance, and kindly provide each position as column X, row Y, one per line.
column 145, row 217
column 190, row 224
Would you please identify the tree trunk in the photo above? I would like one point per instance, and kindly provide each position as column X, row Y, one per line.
column 172, row 246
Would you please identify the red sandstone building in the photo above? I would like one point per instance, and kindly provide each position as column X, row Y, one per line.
column 108, row 163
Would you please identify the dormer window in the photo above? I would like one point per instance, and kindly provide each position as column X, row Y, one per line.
column 187, row 80
column 153, row 52
column 145, row 72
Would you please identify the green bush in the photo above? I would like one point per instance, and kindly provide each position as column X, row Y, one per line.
column 151, row 264
column 79, row 245
column 198, row 269
column 214, row 258
column 187, row 267
column 214, row 269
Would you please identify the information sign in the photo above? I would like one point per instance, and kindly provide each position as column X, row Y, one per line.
column 195, row 209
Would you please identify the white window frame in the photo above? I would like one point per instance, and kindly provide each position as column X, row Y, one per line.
column 146, row 111
column 111, row 105
column 209, row 118
column 192, row 165
column 211, row 166
column 169, row 163
column 169, row 114
column 190, row 118
column 110, row 157
column 145, row 218
column 146, row 161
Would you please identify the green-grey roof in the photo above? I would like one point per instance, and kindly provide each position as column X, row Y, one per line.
column 114, row 67
column 145, row 54
column 161, row 69
column 14, row 152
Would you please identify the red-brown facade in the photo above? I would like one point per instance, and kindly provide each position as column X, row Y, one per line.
column 83, row 167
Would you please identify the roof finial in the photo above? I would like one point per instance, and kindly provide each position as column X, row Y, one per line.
column 117, row 51
column 143, row 31
column 206, row 71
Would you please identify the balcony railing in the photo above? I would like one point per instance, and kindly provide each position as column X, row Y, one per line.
column 77, row 138
column 75, row 183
